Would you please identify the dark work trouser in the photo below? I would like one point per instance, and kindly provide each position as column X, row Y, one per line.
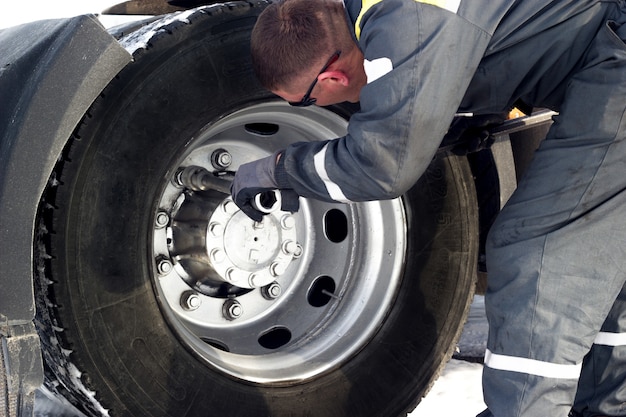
column 557, row 256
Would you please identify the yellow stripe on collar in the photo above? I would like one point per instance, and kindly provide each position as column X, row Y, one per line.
column 365, row 6
column 449, row 5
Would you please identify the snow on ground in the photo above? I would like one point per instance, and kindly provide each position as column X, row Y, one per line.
column 457, row 392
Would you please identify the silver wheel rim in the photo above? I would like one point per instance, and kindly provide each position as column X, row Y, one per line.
column 285, row 300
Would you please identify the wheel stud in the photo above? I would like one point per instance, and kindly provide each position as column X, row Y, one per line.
column 221, row 159
column 190, row 301
column 161, row 220
column 277, row 269
column 164, row 266
column 216, row 229
column 287, row 222
column 271, row 291
column 217, row 255
column 232, row 309
column 292, row 248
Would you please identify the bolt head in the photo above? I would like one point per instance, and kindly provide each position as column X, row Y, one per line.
column 218, row 256
column 162, row 219
column 272, row 291
column 230, row 274
column 230, row 207
column 164, row 266
column 287, row 222
column 277, row 269
column 221, row 159
column 292, row 248
column 216, row 229
column 232, row 309
column 225, row 159
column 190, row 301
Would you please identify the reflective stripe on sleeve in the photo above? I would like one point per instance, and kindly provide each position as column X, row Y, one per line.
column 610, row 339
column 531, row 366
column 333, row 189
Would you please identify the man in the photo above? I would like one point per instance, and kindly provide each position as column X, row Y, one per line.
column 557, row 253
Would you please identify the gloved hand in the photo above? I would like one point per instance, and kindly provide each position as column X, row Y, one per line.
column 257, row 177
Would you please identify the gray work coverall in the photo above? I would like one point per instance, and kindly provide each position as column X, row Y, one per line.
column 556, row 256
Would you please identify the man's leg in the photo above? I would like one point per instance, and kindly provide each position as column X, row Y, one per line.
column 602, row 384
column 556, row 255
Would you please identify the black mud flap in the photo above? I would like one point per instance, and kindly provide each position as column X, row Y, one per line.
column 50, row 73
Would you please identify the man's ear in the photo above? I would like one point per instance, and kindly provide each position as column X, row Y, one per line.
column 334, row 77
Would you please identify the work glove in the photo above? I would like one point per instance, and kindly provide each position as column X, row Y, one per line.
column 257, row 178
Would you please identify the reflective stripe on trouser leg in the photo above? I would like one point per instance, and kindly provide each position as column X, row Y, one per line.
column 602, row 385
column 556, row 257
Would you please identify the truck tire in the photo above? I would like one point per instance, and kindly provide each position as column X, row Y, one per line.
column 160, row 299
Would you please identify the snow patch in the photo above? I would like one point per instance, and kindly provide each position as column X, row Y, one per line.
column 140, row 38
column 75, row 375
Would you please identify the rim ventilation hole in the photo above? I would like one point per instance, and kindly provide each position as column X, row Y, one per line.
column 275, row 337
column 321, row 292
column 262, row 129
column 335, row 225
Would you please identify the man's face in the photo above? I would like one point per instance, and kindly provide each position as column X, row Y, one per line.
column 332, row 87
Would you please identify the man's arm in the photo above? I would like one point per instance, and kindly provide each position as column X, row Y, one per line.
column 432, row 54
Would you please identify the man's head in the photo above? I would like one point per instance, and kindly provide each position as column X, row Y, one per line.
column 302, row 45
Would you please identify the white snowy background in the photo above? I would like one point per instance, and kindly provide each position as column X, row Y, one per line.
column 458, row 390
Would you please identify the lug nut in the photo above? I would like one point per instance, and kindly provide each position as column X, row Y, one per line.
column 253, row 280
column 287, row 222
column 230, row 207
column 221, row 159
column 216, row 229
column 232, row 309
column 190, row 301
column 230, row 274
column 161, row 220
column 164, row 266
column 217, row 256
column 292, row 248
column 277, row 269
column 271, row 291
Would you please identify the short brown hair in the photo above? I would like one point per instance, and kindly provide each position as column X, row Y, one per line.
column 292, row 36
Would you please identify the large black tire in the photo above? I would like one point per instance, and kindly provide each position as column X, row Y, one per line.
column 110, row 343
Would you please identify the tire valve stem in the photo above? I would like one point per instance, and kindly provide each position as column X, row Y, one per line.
column 331, row 295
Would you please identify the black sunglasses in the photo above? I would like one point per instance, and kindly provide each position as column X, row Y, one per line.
column 306, row 99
